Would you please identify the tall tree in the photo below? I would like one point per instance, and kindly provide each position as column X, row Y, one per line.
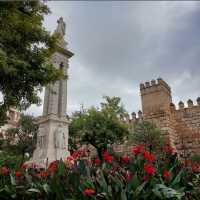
column 25, row 47
column 147, row 133
column 98, row 127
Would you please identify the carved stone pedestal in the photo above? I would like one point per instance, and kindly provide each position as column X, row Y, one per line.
column 52, row 140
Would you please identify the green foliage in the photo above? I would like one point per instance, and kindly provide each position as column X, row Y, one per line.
column 10, row 159
column 147, row 133
column 121, row 179
column 22, row 139
column 25, row 46
column 195, row 158
column 99, row 127
column 113, row 105
column 164, row 192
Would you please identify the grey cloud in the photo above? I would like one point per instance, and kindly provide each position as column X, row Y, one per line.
column 119, row 44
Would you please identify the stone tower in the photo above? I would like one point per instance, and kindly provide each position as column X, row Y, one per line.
column 52, row 139
column 155, row 96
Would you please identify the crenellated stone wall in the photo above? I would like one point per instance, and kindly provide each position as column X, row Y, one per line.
column 187, row 127
column 180, row 125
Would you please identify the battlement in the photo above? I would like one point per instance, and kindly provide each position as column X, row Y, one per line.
column 181, row 122
column 137, row 117
column 155, row 96
column 190, row 104
column 133, row 117
column 153, row 85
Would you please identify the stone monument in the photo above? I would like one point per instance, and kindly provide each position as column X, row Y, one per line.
column 52, row 138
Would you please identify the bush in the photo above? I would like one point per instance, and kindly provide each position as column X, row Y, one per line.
column 10, row 160
column 140, row 175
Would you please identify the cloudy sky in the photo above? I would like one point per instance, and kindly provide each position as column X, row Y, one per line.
column 117, row 45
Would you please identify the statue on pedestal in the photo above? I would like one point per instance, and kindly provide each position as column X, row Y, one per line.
column 52, row 139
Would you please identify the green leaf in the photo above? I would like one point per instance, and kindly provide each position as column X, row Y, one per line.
column 140, row 188
column 103, row 182
column 134, row 183
column 34, row 190
column 12, row 179
column 60, row 168
column 177, row 179
column 123, row 195
column 164, row 192
column 46, row 188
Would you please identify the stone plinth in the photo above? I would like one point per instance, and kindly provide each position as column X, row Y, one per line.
column 52, row 140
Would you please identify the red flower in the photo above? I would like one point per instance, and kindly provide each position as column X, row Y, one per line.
column 138, row 149
column 97, row 161
column 107, row 157
column 4, row 171
column 70, row 158
column 168, row 149
column 79, row 153
column 149, row 169
column 125, row 159
column 195, row 168
column 89, row 192
column 75, row 154
column 42, row 174
column 53, row 166
column 148, row 156
column 18, row 174
column 166, row 174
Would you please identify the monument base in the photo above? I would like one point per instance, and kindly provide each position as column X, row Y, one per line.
column 52, row 140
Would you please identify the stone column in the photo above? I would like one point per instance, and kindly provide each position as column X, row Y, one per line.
column 52, row 139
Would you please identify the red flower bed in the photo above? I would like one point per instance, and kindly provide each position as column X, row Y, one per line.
column 137, row 175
